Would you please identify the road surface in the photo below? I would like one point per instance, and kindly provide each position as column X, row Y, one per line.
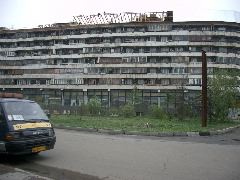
column 80, row 155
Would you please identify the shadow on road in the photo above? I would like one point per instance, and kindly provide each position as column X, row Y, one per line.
column 29, row 163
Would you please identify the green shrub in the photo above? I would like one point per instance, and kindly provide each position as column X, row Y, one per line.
column 113, row 111
column 184, row 111
column 127, row 110
column 84, row 109
column 158, row 112
column 94, row 106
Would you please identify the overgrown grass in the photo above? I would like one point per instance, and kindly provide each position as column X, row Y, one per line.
column 140, row 124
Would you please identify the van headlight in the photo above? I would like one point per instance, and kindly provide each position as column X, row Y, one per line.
column 11, row 136
column 50, row 132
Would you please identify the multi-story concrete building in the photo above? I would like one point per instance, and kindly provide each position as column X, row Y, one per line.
column 109, row 55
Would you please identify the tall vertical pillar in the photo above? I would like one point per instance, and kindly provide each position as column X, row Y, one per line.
column 159, row 102
column 62, row 97
column 85, row 97
column 109, row 98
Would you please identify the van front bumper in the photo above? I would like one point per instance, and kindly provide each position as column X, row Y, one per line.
column 26, row 146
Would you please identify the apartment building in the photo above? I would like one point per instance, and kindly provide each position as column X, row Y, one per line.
column 112, row 55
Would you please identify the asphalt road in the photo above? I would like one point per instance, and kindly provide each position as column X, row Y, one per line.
column 79, row 155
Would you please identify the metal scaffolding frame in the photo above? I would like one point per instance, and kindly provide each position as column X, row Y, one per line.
column 109, row 18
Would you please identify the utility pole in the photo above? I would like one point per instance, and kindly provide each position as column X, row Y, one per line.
column 204, row 89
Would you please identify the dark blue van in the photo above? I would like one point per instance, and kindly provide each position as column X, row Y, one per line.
column 24, row 127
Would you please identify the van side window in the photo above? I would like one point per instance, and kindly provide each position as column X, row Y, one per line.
column 1, row 114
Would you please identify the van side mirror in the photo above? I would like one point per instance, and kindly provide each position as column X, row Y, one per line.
column 48, row 115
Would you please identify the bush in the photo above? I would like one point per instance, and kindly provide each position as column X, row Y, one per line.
column 113, row 111
column 184, row 111
column 94, row 106
column 84, row 110
column 127, row 110
column 158, row 112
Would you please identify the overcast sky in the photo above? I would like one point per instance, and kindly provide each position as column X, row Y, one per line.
column 31, row 13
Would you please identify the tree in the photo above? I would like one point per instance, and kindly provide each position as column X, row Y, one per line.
column 222, row 94
column 94, row 105
column 135, row 95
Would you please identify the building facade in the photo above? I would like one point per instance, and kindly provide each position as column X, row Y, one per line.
column 159, row 60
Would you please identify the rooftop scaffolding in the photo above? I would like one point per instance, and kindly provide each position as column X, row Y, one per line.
column 109, row 18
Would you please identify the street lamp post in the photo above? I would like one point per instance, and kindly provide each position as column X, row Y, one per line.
column 204, row 89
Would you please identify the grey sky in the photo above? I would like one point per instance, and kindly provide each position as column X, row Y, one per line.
column 31, row 13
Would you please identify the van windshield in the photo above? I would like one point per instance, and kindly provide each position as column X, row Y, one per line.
column 24, row 111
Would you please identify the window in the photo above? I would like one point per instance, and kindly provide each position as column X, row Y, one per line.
column 195, row 81
column 152, row 38
column 222, row 49
column 165, row 82
column 164, row 38
column 1, row 116
column 21, row 111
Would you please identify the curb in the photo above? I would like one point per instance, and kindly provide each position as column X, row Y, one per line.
column 76, row 128
column 8, row 172
column 158, row 134
column 111, row 132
